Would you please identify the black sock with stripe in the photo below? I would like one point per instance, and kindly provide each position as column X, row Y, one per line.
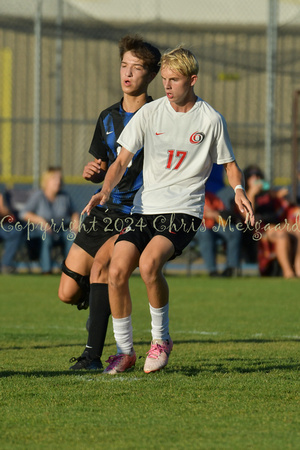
column 98, row 320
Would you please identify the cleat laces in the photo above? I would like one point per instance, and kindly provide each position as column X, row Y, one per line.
column 113, row 360
column 155, row 351
column 73, row 359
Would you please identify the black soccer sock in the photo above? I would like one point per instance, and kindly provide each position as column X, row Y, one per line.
column 99, row 316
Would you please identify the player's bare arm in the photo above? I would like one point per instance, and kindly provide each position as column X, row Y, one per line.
column 236, row 178
column 95, row 171
column 112, row 178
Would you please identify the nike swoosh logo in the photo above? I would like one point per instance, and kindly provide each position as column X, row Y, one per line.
column 157, row 134
column 109, row 132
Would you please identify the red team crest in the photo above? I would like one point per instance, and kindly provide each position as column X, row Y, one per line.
column 197, row 138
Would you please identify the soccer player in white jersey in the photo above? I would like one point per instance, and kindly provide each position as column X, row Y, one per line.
column 182, row 136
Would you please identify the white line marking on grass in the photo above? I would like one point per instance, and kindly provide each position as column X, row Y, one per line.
column 106, row 378
column 261, row 335
column 84, row 378
column 112, row 378
column 49, row 327
column 63, row 327
column 204, row 333
column 181, row 332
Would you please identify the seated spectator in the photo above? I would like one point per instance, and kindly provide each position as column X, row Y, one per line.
column 281, row 243
column 11, row 238
column 52, row 211
column 215, row 217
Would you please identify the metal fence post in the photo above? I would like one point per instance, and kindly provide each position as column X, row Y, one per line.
column 37, row 93
column 58, row 76
column 270, row 77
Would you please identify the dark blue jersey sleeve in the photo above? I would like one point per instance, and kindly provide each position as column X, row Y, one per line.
column 99, row 148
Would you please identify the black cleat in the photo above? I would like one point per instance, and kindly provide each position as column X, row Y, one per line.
column 85, row 363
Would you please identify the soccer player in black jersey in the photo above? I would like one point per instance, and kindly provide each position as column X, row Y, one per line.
column 85, row 270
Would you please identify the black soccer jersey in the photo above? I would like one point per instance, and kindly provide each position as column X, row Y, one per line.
column 104, row 145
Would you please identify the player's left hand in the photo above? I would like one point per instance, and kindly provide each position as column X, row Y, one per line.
column 245, row 206
column 98, row 199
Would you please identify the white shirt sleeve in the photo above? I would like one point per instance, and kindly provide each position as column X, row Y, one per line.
column 132, row 137
column 221, row 149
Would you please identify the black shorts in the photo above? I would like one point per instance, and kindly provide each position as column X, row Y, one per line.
column 98, row 227
column 178, row 228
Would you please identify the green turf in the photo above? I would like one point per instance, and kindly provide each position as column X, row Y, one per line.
column 232, row 382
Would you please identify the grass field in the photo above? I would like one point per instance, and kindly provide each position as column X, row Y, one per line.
column 232, row 382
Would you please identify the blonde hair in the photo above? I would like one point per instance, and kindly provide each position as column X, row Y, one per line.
column 180, row 60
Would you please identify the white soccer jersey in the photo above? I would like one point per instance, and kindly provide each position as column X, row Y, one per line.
column 179, row 150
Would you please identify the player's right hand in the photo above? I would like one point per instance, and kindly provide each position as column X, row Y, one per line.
column 92, row 169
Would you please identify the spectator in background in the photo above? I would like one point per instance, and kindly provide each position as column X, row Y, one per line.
column 216, row 212
column 10, row 236
column 216, row 230
column 53, row 213
column 272, row 207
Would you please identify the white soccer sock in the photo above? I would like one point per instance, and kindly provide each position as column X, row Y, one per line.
column 160, row 322
column 123, row 335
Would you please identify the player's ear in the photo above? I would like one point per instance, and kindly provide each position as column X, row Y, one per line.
column 194, row 78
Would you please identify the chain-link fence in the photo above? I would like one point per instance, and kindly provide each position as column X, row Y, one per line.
column 59, row 67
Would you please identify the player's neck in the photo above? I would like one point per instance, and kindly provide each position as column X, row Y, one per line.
column 186, row 104
column 133, row 103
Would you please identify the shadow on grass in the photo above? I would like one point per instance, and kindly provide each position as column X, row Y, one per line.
column 43, row 347
column 46, row 373
column 227, row 367
column 230, row 365
column 176, row 342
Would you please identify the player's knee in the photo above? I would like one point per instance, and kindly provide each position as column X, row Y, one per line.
column 117, row 275
column 69, row 290
column 62, row 295
column 66, row 295
column 148, row 270
column 99, row 272
column 65, row 299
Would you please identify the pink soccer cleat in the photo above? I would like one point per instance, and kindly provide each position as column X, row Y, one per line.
column 120, row 363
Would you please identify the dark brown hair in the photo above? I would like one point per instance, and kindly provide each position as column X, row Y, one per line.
column 141, row 49
column 253, row 169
